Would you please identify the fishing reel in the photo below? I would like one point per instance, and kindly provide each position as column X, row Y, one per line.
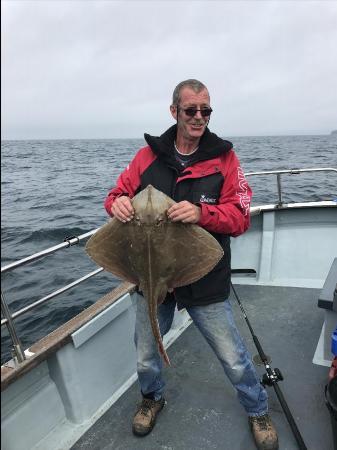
column 268, row 379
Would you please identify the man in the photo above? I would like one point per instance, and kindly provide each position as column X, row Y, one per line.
column 202, row 174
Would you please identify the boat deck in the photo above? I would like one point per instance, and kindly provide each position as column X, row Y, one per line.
column 202, row 411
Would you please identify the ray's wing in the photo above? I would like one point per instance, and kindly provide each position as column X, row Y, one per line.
column 195, row 252
column 109, row 248
column 179, row 253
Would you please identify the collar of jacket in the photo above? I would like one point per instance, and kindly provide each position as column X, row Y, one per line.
column 210, row 146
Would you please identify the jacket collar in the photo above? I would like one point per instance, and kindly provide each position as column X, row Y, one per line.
column 210, row 146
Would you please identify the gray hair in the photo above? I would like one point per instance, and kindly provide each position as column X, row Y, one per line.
column 195, row 85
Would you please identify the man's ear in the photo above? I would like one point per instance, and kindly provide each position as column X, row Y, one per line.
column 174, row 112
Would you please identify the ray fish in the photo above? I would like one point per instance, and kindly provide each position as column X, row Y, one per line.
column 153, row 252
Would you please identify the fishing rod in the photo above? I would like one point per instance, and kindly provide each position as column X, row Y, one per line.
column 272, row 377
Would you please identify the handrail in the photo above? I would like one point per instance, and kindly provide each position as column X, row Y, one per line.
column 18, row 353
column 278, row 174
column 291, row 171
column 52, row 295
column 70, row 241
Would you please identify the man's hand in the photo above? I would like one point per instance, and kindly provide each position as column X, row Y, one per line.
column 122, row 209
column 184, row 212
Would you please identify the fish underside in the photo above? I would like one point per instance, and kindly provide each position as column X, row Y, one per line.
column 153, row 252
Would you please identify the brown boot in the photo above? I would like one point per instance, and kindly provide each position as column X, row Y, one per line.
column 146, row 414
column 264, row 432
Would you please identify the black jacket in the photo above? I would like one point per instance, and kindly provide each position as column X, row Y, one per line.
column 213, row 180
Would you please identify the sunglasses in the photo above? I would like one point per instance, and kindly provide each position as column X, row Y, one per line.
column 191, row 111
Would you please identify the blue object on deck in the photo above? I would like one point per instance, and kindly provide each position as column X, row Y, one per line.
column 334, row 342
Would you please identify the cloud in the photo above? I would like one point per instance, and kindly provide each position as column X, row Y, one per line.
column 108, row 68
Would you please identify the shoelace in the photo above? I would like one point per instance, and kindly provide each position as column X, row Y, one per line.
column 145, row 406
column 263, row 423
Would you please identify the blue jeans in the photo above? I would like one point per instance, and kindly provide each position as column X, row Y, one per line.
column 216, row 324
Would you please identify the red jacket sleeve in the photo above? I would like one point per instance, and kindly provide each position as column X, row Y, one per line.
column 129, row 180
column 231, row 215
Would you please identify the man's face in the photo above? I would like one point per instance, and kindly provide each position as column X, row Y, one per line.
column 191, row 128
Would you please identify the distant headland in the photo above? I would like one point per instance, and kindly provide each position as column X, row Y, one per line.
column 334, row 132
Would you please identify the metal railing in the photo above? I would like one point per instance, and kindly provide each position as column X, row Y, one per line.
column 279, row 173
column 18, row 352
column 67, row 242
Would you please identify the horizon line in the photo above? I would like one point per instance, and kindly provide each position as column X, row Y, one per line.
column 333, row 132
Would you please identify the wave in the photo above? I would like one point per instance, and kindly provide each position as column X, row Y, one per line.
column 53, row 234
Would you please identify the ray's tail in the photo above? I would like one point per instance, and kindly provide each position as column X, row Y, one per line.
column 155, row 328
column 153, row 300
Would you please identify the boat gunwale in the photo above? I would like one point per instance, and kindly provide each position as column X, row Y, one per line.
column 61, row 336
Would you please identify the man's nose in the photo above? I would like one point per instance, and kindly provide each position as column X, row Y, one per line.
column 198, row 115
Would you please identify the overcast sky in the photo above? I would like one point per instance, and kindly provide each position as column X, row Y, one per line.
column 107, row 69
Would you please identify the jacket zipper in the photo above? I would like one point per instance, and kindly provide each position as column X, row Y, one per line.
column 174, row 181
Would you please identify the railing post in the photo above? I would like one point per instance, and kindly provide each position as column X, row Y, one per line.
column 279, row 189
column 18, row 349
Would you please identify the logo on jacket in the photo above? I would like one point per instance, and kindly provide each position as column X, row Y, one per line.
column 205, row 199
column 242, row 192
